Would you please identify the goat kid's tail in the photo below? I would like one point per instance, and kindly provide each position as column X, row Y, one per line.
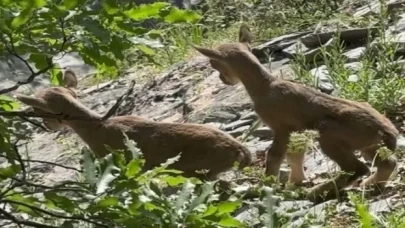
column 244, row 158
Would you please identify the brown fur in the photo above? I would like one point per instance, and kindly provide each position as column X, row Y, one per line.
column 201, row 147
column 344, row 126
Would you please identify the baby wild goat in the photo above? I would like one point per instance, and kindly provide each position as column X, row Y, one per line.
column 344, row 126
column 201, row 147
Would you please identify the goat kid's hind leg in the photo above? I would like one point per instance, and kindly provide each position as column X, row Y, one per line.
column 351, row 167
column 276, row 153
column 385, row 167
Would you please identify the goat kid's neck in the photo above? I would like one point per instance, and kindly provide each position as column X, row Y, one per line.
column 256, row 79
column 88, row 123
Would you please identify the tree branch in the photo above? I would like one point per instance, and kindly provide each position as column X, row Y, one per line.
column 28, row 80
column 33, row 75
column 47, row 162
column 61, row 116
column 20, row 222
column 42, row 115
column 78, row 218
column 34, row 123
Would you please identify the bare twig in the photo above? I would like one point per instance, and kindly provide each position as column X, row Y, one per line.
column 78, row 218
column 19, row 158
column 119, row 101
column 61, row 116
column 29, row 184
column 20, row 222
column 34, row 123
column 47, row 162
column 43, row 115
column 28, row 80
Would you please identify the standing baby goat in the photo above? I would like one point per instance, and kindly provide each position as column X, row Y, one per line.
column 344, row 126
column 201, row 147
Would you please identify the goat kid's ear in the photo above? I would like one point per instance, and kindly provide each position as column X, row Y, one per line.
column 245, row 36
column 210, row 53
column 70, row 79
column 31, row 101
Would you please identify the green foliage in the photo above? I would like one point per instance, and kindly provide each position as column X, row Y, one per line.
column 120, row 194
column 376, row 81
column 365, row 218
column 46, row 29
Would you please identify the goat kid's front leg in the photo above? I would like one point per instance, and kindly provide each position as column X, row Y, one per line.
column 296, row 162
column 276, row 153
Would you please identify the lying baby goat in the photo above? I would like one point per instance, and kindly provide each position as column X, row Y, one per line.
column 201, row 147
column 344, row 126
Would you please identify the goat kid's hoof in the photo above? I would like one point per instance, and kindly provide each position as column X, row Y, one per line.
column 367, row 182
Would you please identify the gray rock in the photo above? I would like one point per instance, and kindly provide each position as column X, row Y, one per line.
column 348, row 35
column 239, row 131
column 276, row 44
column 316, row 163
column 250, row 116
column 237, row 124
column 309, row 54
column 354, row 54
column 383, row 205
column 399, row 25
column 221, row 115
column 354, row 67
column 322, row 75
column 399, row 39
column 258, row 147
column 263, row 133
column 250, row 216
column 374, row 7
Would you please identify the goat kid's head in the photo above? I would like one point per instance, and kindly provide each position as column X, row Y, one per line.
column 225, row 57
column 55, row 100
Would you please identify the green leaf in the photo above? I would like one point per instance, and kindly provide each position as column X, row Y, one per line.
column 7, row 103
column 146, row 11
column 177, row 15
column 146, row 50
column 134, row 167
column 207, row 189
column 228, row 206
column 95, row 28
column 56, row 76
column 108, row 176
column 60, row 201
column 31, row 201
column 210, row 211
column 9, row 171
column 89, row 168
column 39, row 3
column 130, row 29
column 108, row 202
column 228, row 221
column 184, row 195
column 70, row 4
column 22, row 18
column 3, row 26
column 40, row 60
column 131, row 146
column 110, row 6
column 174, row 181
